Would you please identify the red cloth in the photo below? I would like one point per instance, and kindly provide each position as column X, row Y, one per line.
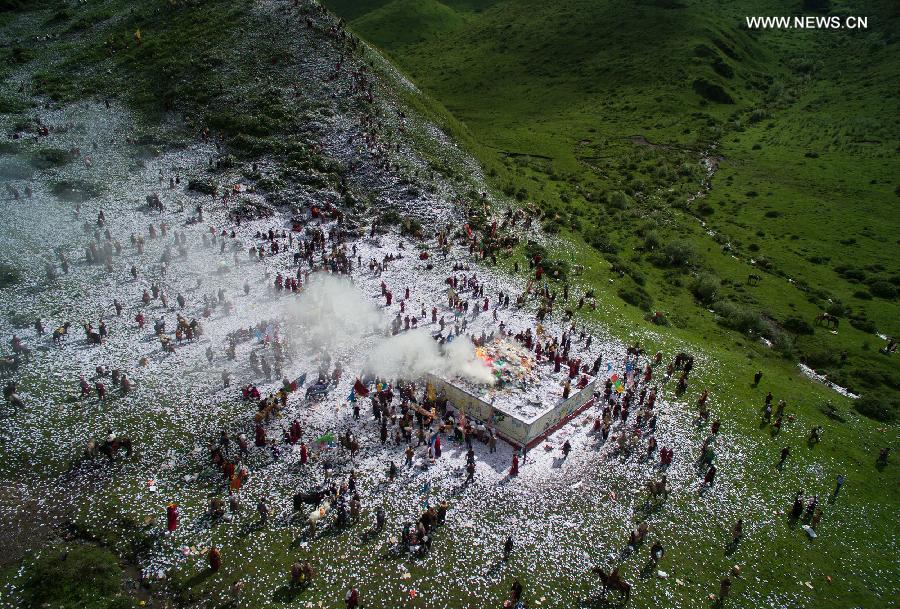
column 360, row 389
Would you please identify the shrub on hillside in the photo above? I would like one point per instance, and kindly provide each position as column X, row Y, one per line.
column 636, row 296
column 8, row 275
column 678, row 253
column 706, row 287
column 72, row 576
column 879, row 408
column 207, row 187
column 618, row 199
column 738, row 317
column 51, row 157
column 797, row 325
column 863, row 325
column 836, row 308
column 712, row 92
column 819, row 359
column 883, row 289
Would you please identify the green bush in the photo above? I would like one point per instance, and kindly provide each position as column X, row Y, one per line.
column 73, row 576
column 863, row 325
column 878, row 408
column 51, row 157
column 679, row 253
column 819, row 359
column 75, row 190
column 618, row 199
column 9, row 276
column 712, row 91
column 797, row 325
column 836, row 308
column 738, row 317
column 207, row 187
column 706, row 287
column 883, row 289
column 783, row 344
column 636, row 296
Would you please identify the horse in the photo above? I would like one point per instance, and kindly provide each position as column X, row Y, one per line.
column 613, row 581
column 657, row 488
column 318, row 514
column 753, row 279
column 351, row 444
column 310, row 498
column 61, row 331
column 108, row 448
column 10, row 364
column 11, row 393
column 828, row 319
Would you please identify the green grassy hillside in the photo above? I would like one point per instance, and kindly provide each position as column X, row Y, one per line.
column 608, row 115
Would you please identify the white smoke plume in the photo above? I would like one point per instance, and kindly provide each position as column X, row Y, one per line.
column 332, row 315
column 411, row 354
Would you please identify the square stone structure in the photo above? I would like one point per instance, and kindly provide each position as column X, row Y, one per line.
column 526, row 405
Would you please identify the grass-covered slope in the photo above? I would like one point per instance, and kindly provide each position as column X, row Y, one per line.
column 610, row 116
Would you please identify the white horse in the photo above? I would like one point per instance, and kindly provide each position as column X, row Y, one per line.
column 318, row 514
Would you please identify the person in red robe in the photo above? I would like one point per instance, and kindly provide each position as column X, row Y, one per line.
column 352, row 598
column 304, row 454
column 260, row 435
column 514, row 470
column 215, row 558
column 172, row 517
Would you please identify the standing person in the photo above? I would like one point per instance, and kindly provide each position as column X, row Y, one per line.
column 470, row 469
column 351, row 599
column 304, row 453
column 838, row 485
column 409, row 456
column 784, row 455
column 724, row 591
column 492, row 443
column 514, row 470
column 507, row 548
column 656, row 552
column 710, row 476
column 172, row 514
column 566, row 448
column 215, row 559
column 737, row 531
column 263, row 510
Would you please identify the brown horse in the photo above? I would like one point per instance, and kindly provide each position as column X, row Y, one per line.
column 61, row 331
column 613, row 581
column 109, row 448
column 657, row 488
